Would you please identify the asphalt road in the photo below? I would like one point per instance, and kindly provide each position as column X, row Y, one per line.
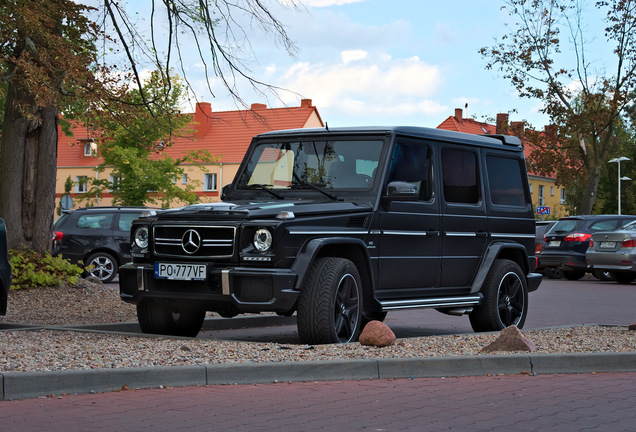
column 556, row 303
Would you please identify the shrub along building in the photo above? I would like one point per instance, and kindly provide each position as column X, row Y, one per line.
column 225, row 134
column 544, row 190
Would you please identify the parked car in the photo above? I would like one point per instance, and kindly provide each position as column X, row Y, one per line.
column 99, row 237
column 568, row 240
column 541, row 227
column 5, row 269
column 342, row 225
column 614, row 252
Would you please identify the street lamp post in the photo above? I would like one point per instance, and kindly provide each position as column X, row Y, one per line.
column 619, row 160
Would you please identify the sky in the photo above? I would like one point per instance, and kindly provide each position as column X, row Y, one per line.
column 380, row 62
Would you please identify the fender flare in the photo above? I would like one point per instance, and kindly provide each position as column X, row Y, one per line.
column 493, row 251
column 312, row 248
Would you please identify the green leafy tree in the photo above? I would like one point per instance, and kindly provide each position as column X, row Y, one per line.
column 584, row 103
column 50, row 62
column 132, row 142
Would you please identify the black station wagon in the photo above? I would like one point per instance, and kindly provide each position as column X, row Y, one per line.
column 340, row 226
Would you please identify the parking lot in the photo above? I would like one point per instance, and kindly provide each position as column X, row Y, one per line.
column 557, row 302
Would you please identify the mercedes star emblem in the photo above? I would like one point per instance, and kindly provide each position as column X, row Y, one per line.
column 191, row 241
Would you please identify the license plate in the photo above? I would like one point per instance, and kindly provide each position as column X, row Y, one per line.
column 607, row 245
column 554, row 243
column 180, row 271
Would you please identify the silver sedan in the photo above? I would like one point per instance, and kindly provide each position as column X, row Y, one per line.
column 614, row 252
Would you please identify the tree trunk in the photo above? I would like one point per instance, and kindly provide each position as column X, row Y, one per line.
column 590, row 190
column 28, row 166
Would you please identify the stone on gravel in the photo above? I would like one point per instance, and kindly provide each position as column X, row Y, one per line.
column 510, row 339
column 632, row 326
column 377, row 334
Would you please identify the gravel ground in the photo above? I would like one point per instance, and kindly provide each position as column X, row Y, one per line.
column 47, row 350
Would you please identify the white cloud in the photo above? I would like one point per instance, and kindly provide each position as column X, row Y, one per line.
column 369, row 87
column 353, row 55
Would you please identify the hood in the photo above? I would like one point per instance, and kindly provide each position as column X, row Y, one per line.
column 262, row 209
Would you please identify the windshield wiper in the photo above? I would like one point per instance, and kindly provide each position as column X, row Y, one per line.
column 264, row 187
column 322, row 190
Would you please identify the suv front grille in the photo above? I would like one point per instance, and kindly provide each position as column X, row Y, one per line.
column 194, row 241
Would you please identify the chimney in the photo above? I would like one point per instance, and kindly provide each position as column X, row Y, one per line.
column 517, row 128
column 551, row 132
column 459, row 115
column 306, row 103
column 258, row 106
column 502, row 123
column 203, row 118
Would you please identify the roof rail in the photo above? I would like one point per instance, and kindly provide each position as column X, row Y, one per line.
column 506, row 139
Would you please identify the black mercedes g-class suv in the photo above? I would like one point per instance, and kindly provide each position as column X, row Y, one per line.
column 341, row 226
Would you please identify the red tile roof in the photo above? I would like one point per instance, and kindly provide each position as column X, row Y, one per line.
column 226, row 133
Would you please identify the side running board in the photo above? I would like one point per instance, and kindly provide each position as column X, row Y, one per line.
column 440, row 302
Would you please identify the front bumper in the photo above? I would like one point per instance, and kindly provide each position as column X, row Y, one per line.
column 237, row 289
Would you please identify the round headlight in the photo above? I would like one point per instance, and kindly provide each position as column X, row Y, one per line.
column 141, row 237
column 262, row 239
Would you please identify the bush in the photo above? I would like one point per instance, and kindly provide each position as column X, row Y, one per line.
column 34, row 269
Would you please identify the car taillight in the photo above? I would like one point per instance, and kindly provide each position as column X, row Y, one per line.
column 57, row 235
column 629, row 243
column 578, row 237
column 538, row 248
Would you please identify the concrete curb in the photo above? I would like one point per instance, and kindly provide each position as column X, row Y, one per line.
column 22, row 385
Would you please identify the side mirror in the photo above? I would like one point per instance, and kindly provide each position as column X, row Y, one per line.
column 224, row 190
column 402, row 191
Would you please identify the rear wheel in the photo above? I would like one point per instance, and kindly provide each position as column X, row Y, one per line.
column 573, row 274
column 602, row 275
column 330, row 303
column 505, row 298
column 104, row 266
column 624, row 277
column 169, row 318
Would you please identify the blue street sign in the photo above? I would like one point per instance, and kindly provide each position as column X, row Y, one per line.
column 543, row 210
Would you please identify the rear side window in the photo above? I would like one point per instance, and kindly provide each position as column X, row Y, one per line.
column 95, row 221
column 126, row 220
column 505, row 181
column 460, row 176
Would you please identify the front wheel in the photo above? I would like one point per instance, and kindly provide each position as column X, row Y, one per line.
column 505, row 301
column 169, row 318
column 330, row 303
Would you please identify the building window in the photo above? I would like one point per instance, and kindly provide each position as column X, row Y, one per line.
column 209, row 182
column 530, row 187
column 541, row 195
column 114, row 182
column 80, row 184
column 184, row 179
column 90, row 148
column 562, row 195
column 551, row 190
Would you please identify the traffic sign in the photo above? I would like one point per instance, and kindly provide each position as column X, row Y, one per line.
column 543, row 210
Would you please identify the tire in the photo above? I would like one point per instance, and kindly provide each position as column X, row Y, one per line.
column 624, row 277
column 602, row 275
column 505, row 303
column 169, row 318
column 330, row 303
column 552, row 273
column 105, row 267
column 573, row 274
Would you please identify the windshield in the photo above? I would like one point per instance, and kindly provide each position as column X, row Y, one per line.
column 330, row 165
